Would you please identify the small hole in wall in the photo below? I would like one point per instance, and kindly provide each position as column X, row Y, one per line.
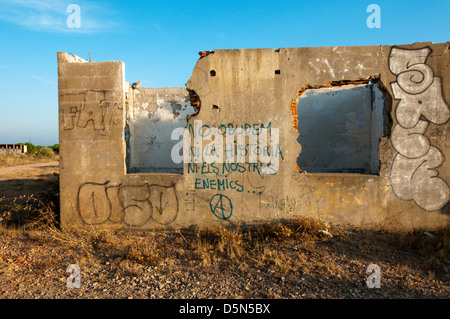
column 212, row 73
column 277, row 72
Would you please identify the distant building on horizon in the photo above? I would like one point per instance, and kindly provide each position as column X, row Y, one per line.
column 13, row 148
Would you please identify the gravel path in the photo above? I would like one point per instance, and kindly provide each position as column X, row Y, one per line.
column 28, row 170
column 33, row 265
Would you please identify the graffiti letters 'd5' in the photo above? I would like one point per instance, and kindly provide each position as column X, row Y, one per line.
column 413, row 174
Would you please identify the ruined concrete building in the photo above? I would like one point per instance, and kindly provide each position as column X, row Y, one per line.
column 13, row 148
column 353, row 135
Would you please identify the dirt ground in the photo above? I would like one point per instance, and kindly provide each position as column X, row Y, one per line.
column 301, row 259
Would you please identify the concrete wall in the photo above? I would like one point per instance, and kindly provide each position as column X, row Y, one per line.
column 92, row 147
column 246, row 92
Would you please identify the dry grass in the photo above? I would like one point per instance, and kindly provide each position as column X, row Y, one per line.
column 255, row 244
column 127, row 252
column 36, row 211
column 10, row 231
column 263, row 245
column 28, row 212
column 9, row 160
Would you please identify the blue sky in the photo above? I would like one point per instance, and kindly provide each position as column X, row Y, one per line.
column 159, row 41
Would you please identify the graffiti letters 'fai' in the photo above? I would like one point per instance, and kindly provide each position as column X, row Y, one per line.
column 96, row 109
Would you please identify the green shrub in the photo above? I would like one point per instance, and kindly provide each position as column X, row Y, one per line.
column 45, row 152
column 55, row 148
column 31, row 149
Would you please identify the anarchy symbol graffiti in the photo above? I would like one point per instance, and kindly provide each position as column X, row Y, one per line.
column 221, row 206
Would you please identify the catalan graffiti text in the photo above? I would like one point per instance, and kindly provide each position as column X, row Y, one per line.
column 248, row 143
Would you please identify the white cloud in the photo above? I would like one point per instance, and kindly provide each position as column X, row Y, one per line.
column 41, row 79
column 51, row 15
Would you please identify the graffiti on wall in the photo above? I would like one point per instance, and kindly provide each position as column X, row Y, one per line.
column 229, row 143
column 341, row 66
column 236, row 151
column 236, row 156
column 413, row 174
column 221, row 206
column 93, row 106
column 134, row 205
column 284, row 203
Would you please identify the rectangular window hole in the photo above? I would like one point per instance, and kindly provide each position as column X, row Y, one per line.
column 340, row 127
column 151, row 119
